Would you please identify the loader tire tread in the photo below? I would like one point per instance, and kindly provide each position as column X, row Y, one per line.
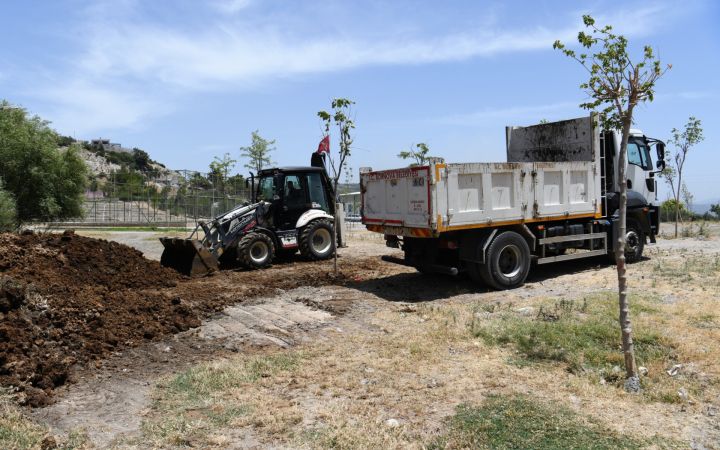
column 244, row 255
column 305, row 242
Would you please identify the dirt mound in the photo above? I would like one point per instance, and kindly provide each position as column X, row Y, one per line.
column 66, row 299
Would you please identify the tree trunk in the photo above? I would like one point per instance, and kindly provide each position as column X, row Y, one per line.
column 632, row 383
column 677, row 203
column 335, row 225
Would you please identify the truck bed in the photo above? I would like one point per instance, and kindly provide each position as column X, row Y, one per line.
column 428, row 200
column 424, row 201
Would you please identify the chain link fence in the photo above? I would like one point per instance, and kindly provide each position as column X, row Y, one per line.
column 173, row 199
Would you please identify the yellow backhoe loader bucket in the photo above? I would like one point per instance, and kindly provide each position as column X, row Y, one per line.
column 188, row 256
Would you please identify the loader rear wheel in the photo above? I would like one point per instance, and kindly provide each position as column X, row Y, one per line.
column 507, row 262
column 255, row 251
column 316, row 240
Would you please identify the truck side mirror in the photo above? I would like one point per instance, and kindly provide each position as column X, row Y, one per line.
column 660, row 149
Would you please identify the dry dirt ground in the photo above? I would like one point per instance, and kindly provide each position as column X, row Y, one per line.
column 383, row 357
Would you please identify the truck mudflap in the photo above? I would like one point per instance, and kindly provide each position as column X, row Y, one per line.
column 188, row 256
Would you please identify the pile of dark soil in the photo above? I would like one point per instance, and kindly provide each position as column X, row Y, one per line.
column 67, row 299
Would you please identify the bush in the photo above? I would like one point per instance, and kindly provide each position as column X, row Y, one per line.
column 47, row 183
column 8, row 214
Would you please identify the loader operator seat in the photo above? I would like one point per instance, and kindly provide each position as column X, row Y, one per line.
column 293, row 195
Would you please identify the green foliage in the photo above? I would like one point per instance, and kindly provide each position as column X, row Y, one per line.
column 616, row 84
column 8, row 213
column 715, row 209
column 341, row 116
column 47, row 183
column 219, row 170
column 668, row 207
column 258, row 153
column 419, row 154
column 520, row 421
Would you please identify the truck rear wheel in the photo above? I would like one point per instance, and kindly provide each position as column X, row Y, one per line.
column 255, row 251
column 316, row 240
column 507, row 262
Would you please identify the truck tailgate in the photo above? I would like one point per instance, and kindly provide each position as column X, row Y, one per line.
column 399, row 197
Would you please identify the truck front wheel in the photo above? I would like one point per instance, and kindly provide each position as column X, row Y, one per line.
column 507, row 262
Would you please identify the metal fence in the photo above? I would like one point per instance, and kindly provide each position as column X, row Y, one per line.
column 176, row 198
column 171, row 199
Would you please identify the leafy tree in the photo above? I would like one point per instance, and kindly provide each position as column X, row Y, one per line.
column 47, row 183
column 420, row 155
column 672, row 174
column 668, row 209
column 715, row 209
column 258, row 153
column 341, row 116
column 141, row 160
column 219, row 171
column 616, row 85
column 8, row 215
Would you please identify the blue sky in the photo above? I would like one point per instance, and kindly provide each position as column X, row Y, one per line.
column 189, row 80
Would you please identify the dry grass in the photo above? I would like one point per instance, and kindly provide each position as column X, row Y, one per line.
column 395, row 381
column 17, row 431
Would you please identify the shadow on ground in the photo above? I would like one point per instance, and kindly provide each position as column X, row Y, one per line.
column 417, row 287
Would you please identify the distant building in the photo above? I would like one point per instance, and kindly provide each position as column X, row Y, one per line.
column 109, row 146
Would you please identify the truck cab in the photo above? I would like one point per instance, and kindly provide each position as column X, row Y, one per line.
column 640, row 173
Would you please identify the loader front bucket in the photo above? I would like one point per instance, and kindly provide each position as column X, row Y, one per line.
column 187, row 256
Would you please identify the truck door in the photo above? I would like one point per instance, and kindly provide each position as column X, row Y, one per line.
column 639, row 169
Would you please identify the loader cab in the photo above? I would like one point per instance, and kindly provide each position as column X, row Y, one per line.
column 292, row 191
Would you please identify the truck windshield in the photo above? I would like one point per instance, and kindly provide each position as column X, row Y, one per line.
column 638, row 153
column 266, row 188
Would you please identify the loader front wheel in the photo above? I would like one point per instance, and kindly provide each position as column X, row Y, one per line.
column 255, row 251
column 316, row 240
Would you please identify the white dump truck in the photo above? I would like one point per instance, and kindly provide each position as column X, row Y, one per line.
column 555, row 199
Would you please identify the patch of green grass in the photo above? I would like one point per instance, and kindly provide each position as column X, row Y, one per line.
column 16, row 430
column 584, row 335
column 199, row 400
column 519, row 421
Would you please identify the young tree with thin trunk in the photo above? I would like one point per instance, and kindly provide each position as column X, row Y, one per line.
column 258, row 153
column 420, row 155
column 672, row 174
column 616, row 86
column 341, row 116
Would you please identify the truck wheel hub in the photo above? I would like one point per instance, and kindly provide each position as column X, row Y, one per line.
column 509, row 261
column 632, row 241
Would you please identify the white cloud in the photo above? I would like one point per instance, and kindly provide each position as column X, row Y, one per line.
column 86, row 108
column 230, row 6
column 130, row 67
column 518, row 113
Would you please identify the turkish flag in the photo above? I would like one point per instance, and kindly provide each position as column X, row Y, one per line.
column 324, row 145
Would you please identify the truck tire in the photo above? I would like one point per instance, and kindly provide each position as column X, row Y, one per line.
column 255, row 251
column 507, row 262
column 634, row 243
column 316, row 240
